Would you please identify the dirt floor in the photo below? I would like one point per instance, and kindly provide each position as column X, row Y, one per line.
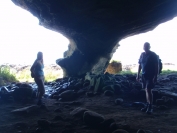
column 161, row 121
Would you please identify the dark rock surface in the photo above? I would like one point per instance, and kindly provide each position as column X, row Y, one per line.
column 95, row 27
column 120, row 131
column 92, row 114
column 92, row 118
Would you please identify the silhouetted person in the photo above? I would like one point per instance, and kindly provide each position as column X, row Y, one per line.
column 38, row 75
column 148, row 62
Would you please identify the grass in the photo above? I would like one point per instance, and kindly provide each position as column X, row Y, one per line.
column 50, row 75
column 6, row 76
column 126, row 72
column 168, row 72
column 164, row 72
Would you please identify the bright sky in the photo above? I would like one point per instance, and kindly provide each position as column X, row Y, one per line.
column 21, row 38
column 163, row 41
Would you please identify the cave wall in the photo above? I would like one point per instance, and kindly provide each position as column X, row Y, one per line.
column 94, row 27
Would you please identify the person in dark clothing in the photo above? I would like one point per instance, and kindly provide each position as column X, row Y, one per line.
column 38, row 75
column 148, row 63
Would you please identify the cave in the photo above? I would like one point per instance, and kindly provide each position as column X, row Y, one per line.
column 94, row 27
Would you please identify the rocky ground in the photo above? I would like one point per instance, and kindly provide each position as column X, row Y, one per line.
column 94, row 104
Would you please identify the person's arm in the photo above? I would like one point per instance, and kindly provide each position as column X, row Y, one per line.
column 139, row 68
column 156, row 69
column 156, row 63
column 138, row 74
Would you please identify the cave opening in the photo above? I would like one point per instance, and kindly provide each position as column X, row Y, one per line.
column 163, row 42
column 22, row 37
column 94, row 33
column 96, row 102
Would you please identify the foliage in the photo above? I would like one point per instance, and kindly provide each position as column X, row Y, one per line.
column 6, row 75
column 114, row 67
column 114, row 61
column 163, row 72
column 50, row 75
column 168, row 72
column 24, row 75
column 127, row 72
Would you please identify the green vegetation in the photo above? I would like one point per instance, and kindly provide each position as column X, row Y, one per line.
column 168, row 72
column 126, row 72
column 50, row 75
column 6, row 75
column 163, row 72
column 116, row 61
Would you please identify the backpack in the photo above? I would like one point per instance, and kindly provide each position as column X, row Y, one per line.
column 160, row 66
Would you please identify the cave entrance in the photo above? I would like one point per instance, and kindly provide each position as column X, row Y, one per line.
column 163, row 42
column 22, row 37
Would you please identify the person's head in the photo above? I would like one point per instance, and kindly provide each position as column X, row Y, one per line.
column 146, row 46
column 39, row 56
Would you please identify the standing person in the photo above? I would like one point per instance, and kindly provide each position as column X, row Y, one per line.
column 38, row 74
column 148, row 62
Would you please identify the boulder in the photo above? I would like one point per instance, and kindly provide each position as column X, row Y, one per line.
column 148, row 131
column 162, row 107
column 92, row 118
column 86, row 83
column 99, row 84
column 119, row 101
column 108, row 93
column 141, row 131
column 168, row 101
column 138, row 104
column 160, row 102
column 43, row 123
column 120, row 131
column 109, row 87
column 113, row 126
column 106, row 123
column 90, row 94
column 22, row 93
column 57, row 118
column 118, row 89
column 81, row 92
column 124, row 126
column 78, row 112
column 68, row 95
column 28, row 109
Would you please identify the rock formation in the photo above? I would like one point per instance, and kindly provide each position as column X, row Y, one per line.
column 94, row 27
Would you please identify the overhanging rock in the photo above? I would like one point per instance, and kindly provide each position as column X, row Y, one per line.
column 95, row 27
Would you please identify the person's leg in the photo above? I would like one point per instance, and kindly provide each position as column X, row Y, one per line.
column 144, row 86
column 36, row 81
column 149, row 96
column 41, row 90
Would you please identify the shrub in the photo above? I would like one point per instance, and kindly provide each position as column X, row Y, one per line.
column 168, row 71
column 114, row 67
column 127, row 72
column 50, row 75
column 6, row 75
